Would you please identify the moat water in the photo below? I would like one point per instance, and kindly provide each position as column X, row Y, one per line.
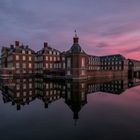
column 38, row 109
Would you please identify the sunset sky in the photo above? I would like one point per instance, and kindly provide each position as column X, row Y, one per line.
column 103, row 26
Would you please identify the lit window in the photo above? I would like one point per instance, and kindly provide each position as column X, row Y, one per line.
column 54, row 52
column 23, row 51
column 58, row 58
column 30, row 65
column 29, row 52
column 46, row 57
column 30, row 58
column 54, row 58
column 83, row 72
column 46, row 65
column 24, row 58
column 50, row 58
column 50, row 52
column 17, row 57
column 83, row 62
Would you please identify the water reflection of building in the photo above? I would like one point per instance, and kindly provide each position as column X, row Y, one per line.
column 20, row 92
column 23, row 91
column 49, row 91
column 76, row 96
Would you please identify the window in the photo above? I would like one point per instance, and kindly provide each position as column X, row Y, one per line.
column 50, row 52
column 83, row 62
column 30, row 58
column 82, row 85
column 29, row 52
column 63, row 58
column 18, row 94
column 46, row 57
column 24, row 65
column 23, row 51
column 17, row 65
column 17, row 57
column 83, row 72
column 17, row 86
column 24, row 86
column 46, row 65
column 30, row 65
column 54, row 52
column 24, row 93
column 54, row 58
column 51, row 66
column 24, row 58
column 30, row 85
column 58, row 58
column 68, row 62
column 68, row 72
column 30, row 71
column 64, row 65
column 50, row 58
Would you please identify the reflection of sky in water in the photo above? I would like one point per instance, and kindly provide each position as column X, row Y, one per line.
column 105, row 116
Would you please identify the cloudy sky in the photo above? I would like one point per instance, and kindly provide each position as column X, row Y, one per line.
column 103, row 26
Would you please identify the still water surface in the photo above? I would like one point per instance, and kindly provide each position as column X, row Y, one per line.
column 38, row 109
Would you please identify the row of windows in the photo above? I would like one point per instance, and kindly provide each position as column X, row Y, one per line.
column 111, row 63
column 23, row 65
column 28, row 52
column 18, row 94
column 24, row 86
column 48, row 58
column 23, row 71
column 112, row 68
column 83, row 72
column 24, row 58
column 110, row 59
column 24, row 80
column 94, row 68
column 50, row 65
column 91, row 59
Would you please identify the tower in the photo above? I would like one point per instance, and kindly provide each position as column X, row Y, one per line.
column 76, row 61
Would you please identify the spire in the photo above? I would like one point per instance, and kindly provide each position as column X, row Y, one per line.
column 75, row 33
column 75, row 38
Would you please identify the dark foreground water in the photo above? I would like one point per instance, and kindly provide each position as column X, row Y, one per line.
column 38, row 109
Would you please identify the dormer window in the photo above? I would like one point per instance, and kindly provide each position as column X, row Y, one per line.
column 23, row 51
column 50, row 52
column 29, row 52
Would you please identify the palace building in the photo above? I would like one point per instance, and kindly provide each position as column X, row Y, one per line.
column 72, row 64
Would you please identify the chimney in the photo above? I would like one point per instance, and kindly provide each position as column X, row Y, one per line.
column 16, row 43
column 45, row 44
